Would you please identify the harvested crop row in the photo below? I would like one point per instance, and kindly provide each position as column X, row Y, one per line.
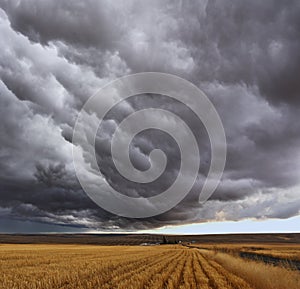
column 233, row 280
column 257, row 274
column 216, row 279
column 161, row 280
column 142, row 275
column 63, row 271
column 201, row 277
column 136, row 267
column 188, row 279
column 173, row 281
column 137, row 274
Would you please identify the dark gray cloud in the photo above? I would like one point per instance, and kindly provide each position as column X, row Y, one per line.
column 54, row 54
column 71, row 21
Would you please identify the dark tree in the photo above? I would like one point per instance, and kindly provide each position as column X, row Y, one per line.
column 165, row 240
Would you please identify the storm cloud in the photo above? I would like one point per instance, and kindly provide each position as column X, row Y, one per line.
column 245, row 55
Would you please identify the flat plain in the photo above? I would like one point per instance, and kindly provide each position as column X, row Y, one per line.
column 185, row 265
column 143, row 261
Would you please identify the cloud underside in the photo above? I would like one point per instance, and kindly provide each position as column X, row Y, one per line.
column 245, row 55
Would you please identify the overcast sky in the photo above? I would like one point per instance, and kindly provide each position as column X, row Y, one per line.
column 245, row 55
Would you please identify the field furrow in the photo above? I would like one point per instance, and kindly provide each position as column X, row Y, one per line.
column 136, row 273
column 216, row 279
column 187, row 277
column 133, row 267
column 200, row 275
column 235, row 281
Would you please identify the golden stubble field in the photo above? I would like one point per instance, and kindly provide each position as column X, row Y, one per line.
column 134, row 267
column 283, row 251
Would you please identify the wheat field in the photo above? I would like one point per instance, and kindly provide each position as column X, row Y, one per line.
column 283, row 251
column 134, row 267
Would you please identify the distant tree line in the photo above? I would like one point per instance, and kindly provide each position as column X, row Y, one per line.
column 169, row 241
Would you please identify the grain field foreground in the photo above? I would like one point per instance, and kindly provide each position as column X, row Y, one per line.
column 130, row 267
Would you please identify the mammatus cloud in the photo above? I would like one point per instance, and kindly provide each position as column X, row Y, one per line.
column 56, row 54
